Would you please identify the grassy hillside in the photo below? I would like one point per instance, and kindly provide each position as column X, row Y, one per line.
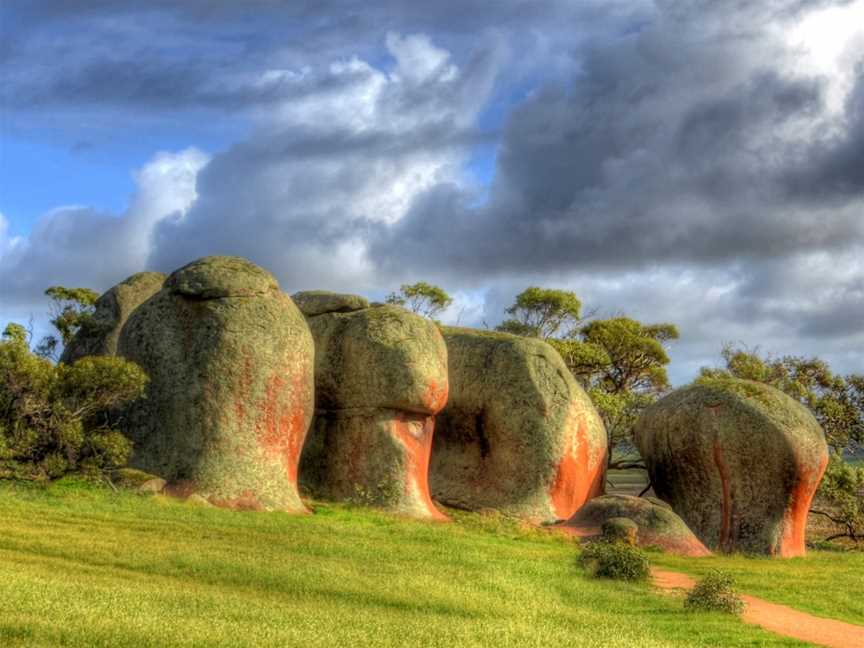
column 85, row 566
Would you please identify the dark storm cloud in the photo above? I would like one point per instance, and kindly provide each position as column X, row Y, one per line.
column 207, row 53
column 834, row 167
column 668, row 160
column 668, row 146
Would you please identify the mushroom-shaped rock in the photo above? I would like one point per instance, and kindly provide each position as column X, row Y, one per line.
column 657, row 525
column 518, row 434
column 380, row 378
column 739, row 461
column 230, row 398
column 318, row 302
column 98, row 336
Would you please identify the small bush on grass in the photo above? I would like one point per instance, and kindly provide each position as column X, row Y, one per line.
column 615, row 560
column 715, row 593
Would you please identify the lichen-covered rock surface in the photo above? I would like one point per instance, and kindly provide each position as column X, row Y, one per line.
column 518, row 434
column 99, row 335
column 656, row 525
column 318, row 302
column 380, row 378
column 739, row 461
column 230, row 398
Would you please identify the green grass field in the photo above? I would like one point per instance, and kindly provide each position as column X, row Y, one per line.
column 82, row 565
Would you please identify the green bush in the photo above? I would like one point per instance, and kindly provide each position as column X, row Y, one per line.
column 715, row 593
column 620, row 529
column 56, row 419
column 615, row 560
column 842, row 494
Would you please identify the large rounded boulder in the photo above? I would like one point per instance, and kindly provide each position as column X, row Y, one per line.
column 380, row 379
column 739, row 461
column 518, row 435
column 657, row 525
column 230, row 398
column 98, row 335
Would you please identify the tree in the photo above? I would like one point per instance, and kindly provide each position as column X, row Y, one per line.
column 70, row 309
column 543, row 313
column 842, row 491
column 837, row 402
column 619, row 361
column 422, row 298
column 56, row 419
column 622, row 364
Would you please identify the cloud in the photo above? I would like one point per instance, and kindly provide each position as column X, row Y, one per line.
column 79, row 246
column 301, row 194
column 669, row 146
column 673, row 161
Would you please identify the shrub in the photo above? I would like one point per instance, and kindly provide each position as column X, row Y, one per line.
column 55, row 419
column 615, row 560
column 715, row 593
column 620, row 529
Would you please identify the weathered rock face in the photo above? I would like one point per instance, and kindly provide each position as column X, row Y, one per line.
column 98, row 337
column 318, row 302
column 380, row 378
column 230, row 398
column 518, row 434
column 657, row 525
column 739, row 461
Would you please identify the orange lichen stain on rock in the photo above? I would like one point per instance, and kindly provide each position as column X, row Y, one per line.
column 725, row 540
column 792, row 542
column 418, row 449
column 283, row 420
column 576, row 480
column 435, row 397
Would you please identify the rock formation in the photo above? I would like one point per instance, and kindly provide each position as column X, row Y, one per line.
column 518, row 434
column 230, row 397
column 739, row 461
column 657, row 525
column 98, row 336
column 380, row 378
column 318, row 302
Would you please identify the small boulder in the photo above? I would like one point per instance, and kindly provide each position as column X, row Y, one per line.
column 738, row 460
column 518, row 435
column 155, row 485
column 318, row 302
column 654, row 525
column 132, row 478
column 380, row 378
column 98, row 336
column 229, row 401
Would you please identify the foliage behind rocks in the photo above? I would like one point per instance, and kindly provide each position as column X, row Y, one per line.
column 715, row 593
column 842, row 494
column 54, row 418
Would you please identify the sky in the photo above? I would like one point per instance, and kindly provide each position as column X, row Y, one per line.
column 691, row 161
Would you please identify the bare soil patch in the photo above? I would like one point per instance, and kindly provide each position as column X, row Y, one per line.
column 780, row 619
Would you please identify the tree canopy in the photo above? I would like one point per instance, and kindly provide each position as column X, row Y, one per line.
column 422, row 298
column 543, row 313
column 56, row 418
column 70, row 309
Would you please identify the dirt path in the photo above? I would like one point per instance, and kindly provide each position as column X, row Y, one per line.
column 783, row 620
